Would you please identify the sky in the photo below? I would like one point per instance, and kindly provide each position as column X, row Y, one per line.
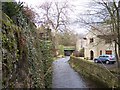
column 79, row 6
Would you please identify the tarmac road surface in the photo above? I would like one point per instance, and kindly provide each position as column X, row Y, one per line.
column 65, row 77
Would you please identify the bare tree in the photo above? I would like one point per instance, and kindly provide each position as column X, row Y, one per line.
column 55, row 16
column 113, row 9
column 105, row 13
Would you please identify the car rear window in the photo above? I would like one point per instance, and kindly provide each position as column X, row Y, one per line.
column 103, row 56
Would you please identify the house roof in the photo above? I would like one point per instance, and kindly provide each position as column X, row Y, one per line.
column 106, row 37
column 100, row 30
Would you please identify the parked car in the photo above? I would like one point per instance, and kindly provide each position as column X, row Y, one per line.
column 105, row 59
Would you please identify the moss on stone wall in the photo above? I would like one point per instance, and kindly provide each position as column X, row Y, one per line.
column 26, row 58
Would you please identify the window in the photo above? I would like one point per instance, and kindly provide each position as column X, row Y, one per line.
column 91, row 40
column 108, row 52
column 101, row 56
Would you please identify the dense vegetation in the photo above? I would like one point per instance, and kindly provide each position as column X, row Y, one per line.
column 67, row 38
column 27, row 56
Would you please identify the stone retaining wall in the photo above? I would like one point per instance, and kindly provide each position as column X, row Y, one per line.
column 94, row 72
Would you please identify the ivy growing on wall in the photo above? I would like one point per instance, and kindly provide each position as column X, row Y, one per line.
column 27, row 57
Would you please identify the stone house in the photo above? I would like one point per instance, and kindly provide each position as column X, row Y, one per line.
column 96, row 43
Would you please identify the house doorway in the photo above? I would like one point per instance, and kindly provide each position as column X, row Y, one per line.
column 91, row 55
column 100, row 52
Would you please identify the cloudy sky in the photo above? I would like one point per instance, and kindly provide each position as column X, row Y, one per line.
column 79, row 6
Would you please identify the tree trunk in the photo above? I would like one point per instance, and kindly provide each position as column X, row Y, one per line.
column 117, row 56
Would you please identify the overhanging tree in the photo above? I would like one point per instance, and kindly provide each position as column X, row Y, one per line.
column 105, row 13
column 114, row 13
column 54, row 16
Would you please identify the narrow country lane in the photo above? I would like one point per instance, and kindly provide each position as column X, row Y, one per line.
column 65, row 77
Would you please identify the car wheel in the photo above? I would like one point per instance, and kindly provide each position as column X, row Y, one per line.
column 107, row 62
column 96, row 61
column 113, row 62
